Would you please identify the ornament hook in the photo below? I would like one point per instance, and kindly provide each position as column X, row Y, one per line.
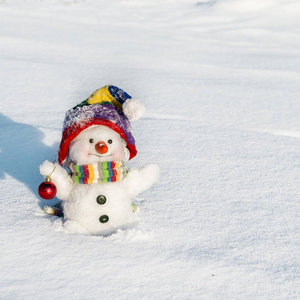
column 48, row 177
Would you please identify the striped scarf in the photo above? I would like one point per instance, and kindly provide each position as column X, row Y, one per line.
column 107, row 171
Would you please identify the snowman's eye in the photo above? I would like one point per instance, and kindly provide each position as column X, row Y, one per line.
column 91, row 141
column 109, row 141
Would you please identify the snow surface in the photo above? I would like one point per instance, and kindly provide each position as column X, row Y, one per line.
column 220, row 82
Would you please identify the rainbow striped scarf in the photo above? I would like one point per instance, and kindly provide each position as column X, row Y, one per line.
column 107, row 171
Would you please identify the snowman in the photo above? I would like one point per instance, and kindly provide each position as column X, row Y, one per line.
column 96, row 142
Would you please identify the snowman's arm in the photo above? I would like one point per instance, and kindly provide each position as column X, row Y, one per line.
column 59, row 177
column 140, row 180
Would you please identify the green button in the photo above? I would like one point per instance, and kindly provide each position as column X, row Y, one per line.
column 101, row 199
column 104, row 219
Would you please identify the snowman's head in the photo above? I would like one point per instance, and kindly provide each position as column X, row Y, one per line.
column 99, row 129
column 97, row 144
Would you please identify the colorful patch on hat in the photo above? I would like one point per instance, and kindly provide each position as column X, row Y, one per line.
column 103, row 95
column 108, row 94
column 120, row 95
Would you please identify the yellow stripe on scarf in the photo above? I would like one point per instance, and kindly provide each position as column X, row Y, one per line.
column 91, row 174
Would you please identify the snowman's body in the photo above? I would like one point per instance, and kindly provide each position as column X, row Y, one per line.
column 100, row 208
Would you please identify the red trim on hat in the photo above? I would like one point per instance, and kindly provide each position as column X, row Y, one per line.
column 75, row 129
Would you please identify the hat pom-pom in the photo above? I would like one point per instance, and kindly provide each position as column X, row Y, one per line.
column 133, row 109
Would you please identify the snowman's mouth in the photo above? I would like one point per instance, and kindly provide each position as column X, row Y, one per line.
column 100, row 155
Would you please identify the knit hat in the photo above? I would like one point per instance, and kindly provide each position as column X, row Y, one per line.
column 108, row 106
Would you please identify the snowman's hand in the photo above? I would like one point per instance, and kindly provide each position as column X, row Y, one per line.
column 151, row 173
column 141, row 180
column 59, row 177
column 46, row 168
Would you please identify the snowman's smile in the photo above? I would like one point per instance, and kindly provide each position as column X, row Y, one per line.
column 100, row 155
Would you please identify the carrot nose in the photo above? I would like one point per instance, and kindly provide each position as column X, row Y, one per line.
column 101, row 147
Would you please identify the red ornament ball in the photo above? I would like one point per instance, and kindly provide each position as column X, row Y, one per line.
column 47, row 190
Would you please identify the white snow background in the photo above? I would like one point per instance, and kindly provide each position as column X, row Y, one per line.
column 221, row 84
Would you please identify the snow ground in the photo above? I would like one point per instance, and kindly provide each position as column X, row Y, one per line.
column 220, row 80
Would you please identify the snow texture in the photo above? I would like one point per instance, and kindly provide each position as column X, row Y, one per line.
column 220, row 82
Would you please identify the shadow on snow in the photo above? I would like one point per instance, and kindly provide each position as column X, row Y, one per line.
column 22, row 151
